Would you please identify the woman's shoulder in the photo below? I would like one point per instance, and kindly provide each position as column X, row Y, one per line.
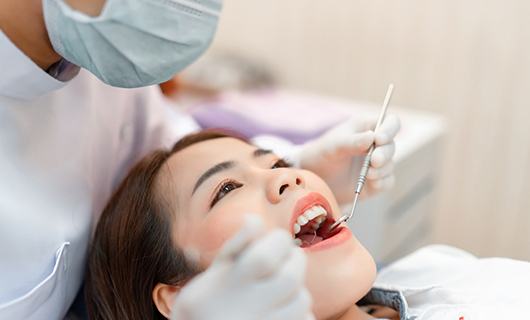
column 445, row 278
column 421, row 266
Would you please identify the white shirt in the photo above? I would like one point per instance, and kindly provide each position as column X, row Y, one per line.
column 441, row 282
column 63, row 148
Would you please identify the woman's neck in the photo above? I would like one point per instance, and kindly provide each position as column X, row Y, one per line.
column 23, row 23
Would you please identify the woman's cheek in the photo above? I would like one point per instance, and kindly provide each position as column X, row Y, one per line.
column 220, row 225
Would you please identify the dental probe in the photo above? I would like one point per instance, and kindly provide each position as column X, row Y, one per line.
column 366, row 164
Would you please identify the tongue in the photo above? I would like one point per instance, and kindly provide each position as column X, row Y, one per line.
column 309, row 239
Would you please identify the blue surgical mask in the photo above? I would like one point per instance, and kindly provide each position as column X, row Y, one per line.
column 133, row 43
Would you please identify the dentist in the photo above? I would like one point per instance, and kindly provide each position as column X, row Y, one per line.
column 69, row 131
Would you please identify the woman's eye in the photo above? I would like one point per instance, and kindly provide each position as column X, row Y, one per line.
column 225, row 189
column 281, row 164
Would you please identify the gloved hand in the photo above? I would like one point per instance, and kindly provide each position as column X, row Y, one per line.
column 337, row 155
column 252, row 277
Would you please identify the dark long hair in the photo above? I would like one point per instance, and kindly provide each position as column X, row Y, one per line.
column 132, row 249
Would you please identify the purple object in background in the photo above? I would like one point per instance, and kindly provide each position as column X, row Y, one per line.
column 295, row 117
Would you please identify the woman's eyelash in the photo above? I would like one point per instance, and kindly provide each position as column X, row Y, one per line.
column 281, row 163
column 225, row 188
column 230, row 185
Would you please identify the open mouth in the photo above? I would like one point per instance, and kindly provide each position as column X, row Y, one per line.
column 312, row 221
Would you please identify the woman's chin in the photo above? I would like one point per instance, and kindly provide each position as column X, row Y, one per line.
column 337, row 279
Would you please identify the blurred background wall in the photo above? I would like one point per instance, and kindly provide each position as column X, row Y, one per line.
column 467, row 60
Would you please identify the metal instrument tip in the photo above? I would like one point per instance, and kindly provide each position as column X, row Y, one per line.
column 346, row 217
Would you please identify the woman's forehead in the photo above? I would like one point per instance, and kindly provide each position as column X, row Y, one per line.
column 186, row 165
column 211, row 151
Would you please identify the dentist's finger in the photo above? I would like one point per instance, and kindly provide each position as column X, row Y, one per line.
column 352, row 145
column 265, row 256
column 383, row 184
column 368, row 123
column 382, row 155
column 251, row 230
column 281, row 288
column 388, row 130
column 382, row 172
column 295, row 309
column 309, row 316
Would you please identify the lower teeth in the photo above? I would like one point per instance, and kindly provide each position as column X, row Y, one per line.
column 307, row 240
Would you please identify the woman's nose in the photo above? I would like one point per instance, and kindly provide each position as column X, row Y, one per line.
column 282, row 182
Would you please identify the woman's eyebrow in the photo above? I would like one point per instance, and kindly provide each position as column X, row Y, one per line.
column 224, row 166
column 213, row 170
column 260, row 152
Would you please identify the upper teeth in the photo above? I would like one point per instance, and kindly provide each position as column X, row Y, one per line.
column 317, row 213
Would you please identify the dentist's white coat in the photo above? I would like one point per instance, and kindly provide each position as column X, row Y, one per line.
column 63, row 148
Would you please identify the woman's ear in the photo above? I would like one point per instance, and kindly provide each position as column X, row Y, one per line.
column 164, row 296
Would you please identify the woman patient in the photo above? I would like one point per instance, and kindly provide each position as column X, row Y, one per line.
column 161, row 208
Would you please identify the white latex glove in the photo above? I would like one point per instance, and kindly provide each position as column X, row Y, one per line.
column 252, row 277
column 337, row 155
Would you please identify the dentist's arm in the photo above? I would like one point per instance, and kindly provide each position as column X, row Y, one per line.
column 251, row 278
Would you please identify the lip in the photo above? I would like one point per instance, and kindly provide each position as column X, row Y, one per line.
column 308, row 201
column 339, row 235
